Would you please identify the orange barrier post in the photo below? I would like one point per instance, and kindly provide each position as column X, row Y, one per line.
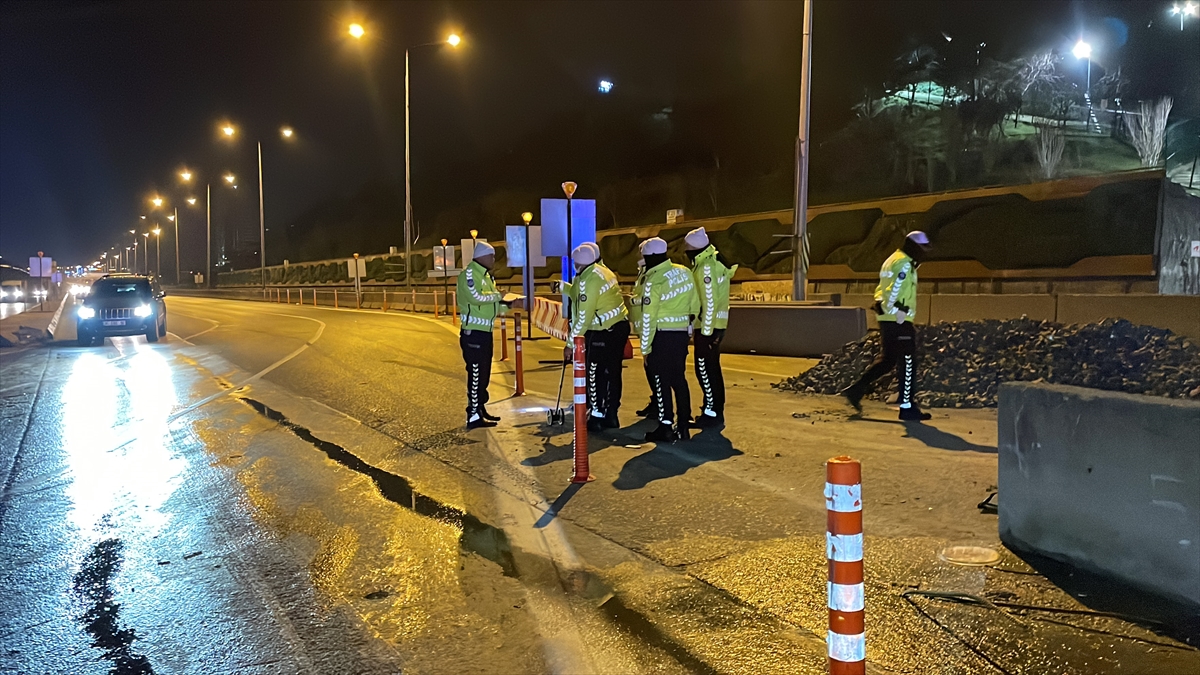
column 414, row 301
column 314, row 297
column 454, row 306
column 301, row 291
column 520, row 362
column 385, row 299
column 503, row 338
column 583, row 473
column 846, row 640
column 289, row 296
column 335, row 302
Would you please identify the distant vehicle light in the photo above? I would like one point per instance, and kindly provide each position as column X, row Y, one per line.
column 18, row 293
column 144, row 310
column 86, row 312
column 605, row 86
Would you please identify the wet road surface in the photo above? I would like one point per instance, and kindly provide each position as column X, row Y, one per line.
column 281, row 489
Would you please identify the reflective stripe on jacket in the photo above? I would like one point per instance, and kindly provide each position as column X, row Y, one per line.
column 897, row 289
column 712, row 283
column 596, row 300
column 478, row 299
column 669, row 301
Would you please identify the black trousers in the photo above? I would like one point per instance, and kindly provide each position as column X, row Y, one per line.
column 605, row 352
column 708, row 372
column 477, row 354
column 668, row 364
column 899, row 352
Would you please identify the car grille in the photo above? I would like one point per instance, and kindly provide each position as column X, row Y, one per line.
column 117, row 313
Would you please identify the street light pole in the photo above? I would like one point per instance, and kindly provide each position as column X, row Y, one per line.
column 176, row 245
column 800, row 202
column 208, row 230
column 262, row 224
column 407, row 183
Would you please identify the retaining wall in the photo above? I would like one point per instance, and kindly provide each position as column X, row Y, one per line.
column 1106, row 481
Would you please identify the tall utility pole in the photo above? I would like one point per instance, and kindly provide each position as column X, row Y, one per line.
column 176, row 245
column 800, row 210
column 262, row 225
column 208, row 228
column 407, row 186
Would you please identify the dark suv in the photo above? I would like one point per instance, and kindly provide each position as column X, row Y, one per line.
column 122, row 304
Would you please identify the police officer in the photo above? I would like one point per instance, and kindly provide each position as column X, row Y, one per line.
column 712, row 274
column 669, row 301
column 479, row 303
column 598, row 314
column 896, row 307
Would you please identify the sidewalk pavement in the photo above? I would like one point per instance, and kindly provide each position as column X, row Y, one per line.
column 32, row 325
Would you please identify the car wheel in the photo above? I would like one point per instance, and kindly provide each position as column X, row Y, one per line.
column 162, row 330
column 152, row 334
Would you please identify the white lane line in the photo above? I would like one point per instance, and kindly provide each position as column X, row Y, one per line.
column 215, row 325
column 299, row 350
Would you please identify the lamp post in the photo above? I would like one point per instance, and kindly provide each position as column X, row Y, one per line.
column 146, row 254
column 527, row 275
column 158, row 250
column 800, row 203
column 357, row 32
column 1083, row 50
column 1188, row 9
column 287, row 133
column 134, row 268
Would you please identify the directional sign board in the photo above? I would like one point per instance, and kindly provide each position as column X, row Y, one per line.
column 443, row 258
column 515, row 240
column 554, row 225
column 41, row 267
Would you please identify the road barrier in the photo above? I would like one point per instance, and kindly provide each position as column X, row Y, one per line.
column 547, row 316
column 518, row 358
column 846, row 640
column 582, row 472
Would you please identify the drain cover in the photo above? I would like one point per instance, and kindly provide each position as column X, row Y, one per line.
column 970, row 555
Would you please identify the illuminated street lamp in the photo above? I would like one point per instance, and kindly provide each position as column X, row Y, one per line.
column 453, row 40
column 287, row 133
column 1188, row 9
column 191, row 201
column 229, row 178
column 157, row 201
column 1083, row 50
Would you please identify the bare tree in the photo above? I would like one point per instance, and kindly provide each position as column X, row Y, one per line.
column 1050, row 145
column 1148, row 130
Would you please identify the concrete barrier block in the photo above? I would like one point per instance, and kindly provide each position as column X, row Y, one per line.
column 1179, row 313
column 1106, row 481
column 980, row 307
column 791, row 329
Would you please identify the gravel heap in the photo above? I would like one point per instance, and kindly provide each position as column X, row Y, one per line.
column 962, row 364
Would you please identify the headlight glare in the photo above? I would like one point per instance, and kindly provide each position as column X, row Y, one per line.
column 86, row 312
column 144, row 310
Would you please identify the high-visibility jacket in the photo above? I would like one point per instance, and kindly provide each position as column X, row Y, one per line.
column 712, row 282
column 897, row 289
column 596, row 302
column 635, row 301
column 478, row 299
column 669, row 301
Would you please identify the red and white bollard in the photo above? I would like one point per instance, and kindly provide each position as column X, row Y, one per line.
column 582, row 473
column 844, row 549
column 519, row 366
column 503, row 338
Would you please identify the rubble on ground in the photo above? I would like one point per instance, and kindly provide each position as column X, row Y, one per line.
column 962, row 364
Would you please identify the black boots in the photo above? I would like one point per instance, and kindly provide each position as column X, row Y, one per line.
column 480, row 422
column 914, row 414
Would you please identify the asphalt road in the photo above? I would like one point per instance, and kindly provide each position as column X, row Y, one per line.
column 283, row 489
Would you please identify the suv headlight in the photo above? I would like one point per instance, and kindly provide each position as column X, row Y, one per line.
column 18, row 293
column 144, row 310
column 86, row 312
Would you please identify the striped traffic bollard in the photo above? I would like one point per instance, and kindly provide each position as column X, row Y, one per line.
column 844, row 549
column 582, row 473
column 519, row 366
column 503, row 338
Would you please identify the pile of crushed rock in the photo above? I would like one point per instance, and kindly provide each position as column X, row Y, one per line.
column 962, row 364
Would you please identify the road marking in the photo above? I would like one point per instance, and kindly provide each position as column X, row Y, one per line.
column 215, row 325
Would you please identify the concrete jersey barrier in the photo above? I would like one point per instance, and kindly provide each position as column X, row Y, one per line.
column 1107, row 481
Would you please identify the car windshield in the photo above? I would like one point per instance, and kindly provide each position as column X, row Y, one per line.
column 110, row 288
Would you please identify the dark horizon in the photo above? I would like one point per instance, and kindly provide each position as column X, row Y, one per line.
column 102, row 103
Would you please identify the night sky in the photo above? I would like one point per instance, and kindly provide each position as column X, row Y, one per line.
column 101, row 103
